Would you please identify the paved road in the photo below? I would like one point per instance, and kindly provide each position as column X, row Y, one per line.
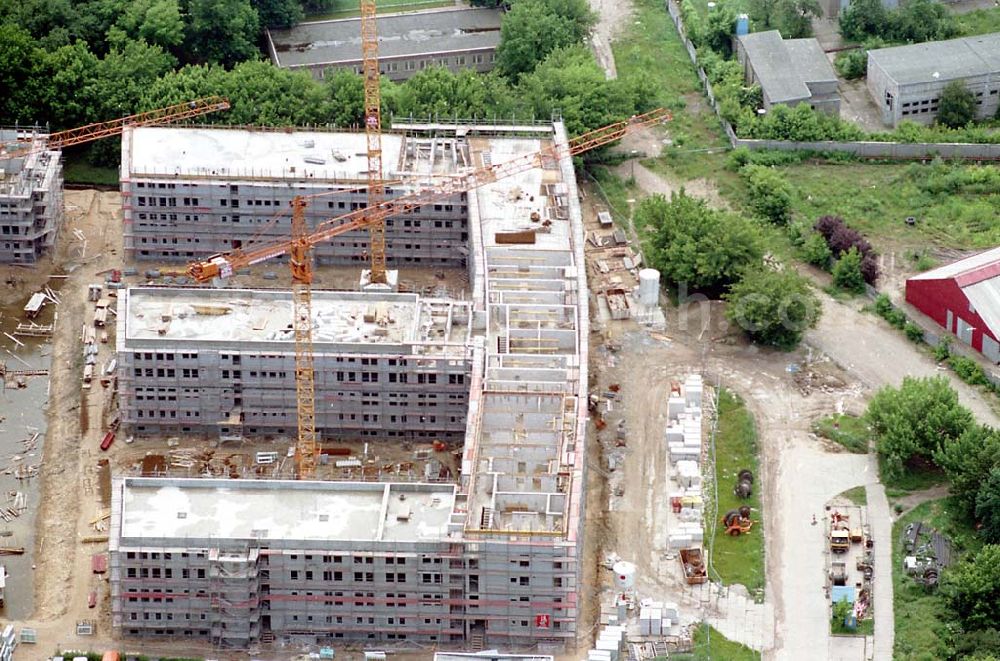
column 880, row 520
column 878, row 354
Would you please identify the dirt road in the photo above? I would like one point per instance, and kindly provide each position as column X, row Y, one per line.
column 612, row 16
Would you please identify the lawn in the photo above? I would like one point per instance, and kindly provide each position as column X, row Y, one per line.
column 710, row 645
column 736, row 559
column 848, row 430
column 922, row 628
column 981, row 21
column 877, row 199
column 857, row 495
column 76, row 170
column 350, row 8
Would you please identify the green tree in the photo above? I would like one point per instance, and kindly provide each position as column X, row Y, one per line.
column 278, row 13
column 862, row 19
column 988, row 506
column 692, row 244
column 223, row 31
column 72, row 97
column 971, row 589
column 967, row 460
column 770, row 194
column 720, row 29
column 763, row 14
column 534, row 28
column 22, row 71
column 159, row 22
column 773, row 307
column 921, row 20
column 436, row 91
column 957, row 106
column 794, row 17
column 815, row 251
column 847, row 272
column 346, row 91
column 569, row 81
column 915, row 420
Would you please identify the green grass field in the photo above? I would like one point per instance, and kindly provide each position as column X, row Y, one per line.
column 737, row 559
column 349, row 8
column 877, row 199
column 710, row 645
column 981, row 21
column 78, row 171
column 847, row 430
column 857, row 495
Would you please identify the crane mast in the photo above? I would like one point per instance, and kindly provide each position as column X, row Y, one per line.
column 373, row 133
column 300, row 259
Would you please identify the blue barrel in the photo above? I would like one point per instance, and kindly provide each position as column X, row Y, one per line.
column 742, row 24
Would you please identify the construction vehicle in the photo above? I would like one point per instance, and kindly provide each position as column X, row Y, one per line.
column 91, row 132
column 299, row 248
column 840, row 533
column 738, row 522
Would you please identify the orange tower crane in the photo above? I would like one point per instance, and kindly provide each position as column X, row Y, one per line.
column 92, row 132
column 300, row 245
column 373, row 134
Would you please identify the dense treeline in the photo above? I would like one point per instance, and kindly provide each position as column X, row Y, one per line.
column 66, row 63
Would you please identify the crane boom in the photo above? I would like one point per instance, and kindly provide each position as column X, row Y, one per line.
column 373, row 134
column 223, row 265
column 90, row 132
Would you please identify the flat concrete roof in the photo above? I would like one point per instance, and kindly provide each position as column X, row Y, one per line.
column 234, row 153
column 936, row 61
column 785, row 66
column 247, row 315
column 399, row 35
column 284, row 510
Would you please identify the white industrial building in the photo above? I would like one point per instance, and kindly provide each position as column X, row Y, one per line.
column 491, row 559
column 905, row 82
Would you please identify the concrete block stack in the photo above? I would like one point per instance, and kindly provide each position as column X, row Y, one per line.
column 609, row 645
column 684, row 447
column 657, row 617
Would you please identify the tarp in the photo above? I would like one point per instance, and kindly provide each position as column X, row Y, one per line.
column 842, row 593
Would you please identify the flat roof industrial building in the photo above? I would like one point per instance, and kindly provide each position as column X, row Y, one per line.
column 407, row 42
column 491, row 555
column 906, row 81
column 789, row 71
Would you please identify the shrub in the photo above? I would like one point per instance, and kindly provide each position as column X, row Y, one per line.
column 988, row 506
column 816, row 252
column 852, row 64
column 773, row 307
column 968, row 370
column 883, row 306
column 847, row 272
column 770, row 194
column 957, row 106
column 971, row 589
column 914, row 333
column 897, row 318
column 943, row 349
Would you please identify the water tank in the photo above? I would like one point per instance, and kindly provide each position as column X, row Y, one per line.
column 649, row 287
column 624, row 575
column 742, row 24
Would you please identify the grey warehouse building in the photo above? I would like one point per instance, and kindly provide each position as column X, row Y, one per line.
column 906, row 81
column 408, row 42
column 31, row 198
column 789, row 71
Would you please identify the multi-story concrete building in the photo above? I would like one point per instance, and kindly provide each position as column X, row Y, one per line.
column 905, row 82
column 789, row 71
column 408, row 42
column 188, row 193
column 31, row 199
column 492, row 559
column 222, row 362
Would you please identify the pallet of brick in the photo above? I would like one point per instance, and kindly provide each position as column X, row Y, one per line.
column 693, row 389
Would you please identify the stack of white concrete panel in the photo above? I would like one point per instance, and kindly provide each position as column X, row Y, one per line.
column 598, row 655
column 688, row 474
column 675, row 407
column 693, row 389
column 609, row 644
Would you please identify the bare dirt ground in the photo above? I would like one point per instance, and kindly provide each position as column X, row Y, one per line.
column 856, row 106
column 613, row 15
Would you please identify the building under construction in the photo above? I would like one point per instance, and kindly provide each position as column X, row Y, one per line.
column 188, row 193
column 31, row 200
column 491, row 559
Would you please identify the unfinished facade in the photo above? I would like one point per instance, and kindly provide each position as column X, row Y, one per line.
column 491, row 560
column 31, row 200
column 222, row 362
column 188, row 193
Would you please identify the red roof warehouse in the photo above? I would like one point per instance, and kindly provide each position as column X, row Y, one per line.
column 964, row 297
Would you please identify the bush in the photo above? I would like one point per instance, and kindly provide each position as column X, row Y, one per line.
column 816, row 252
column 968, row 370
column 883, row 305
column 957, row 106
column 847, row 272
column 852, row 64
column 967, row 461
column 773, row 307
column 988, row 507
column 915, row 420
column 943, row 349
column 897, row 318
column 770, row 194
column 914, row 333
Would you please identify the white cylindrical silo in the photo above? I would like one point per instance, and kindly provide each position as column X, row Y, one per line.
column 649, row 287
column 624, row 575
